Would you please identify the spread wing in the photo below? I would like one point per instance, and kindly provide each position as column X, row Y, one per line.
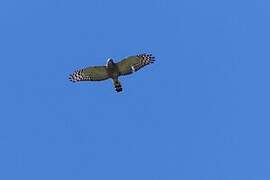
column 94, row 73
column 134, row 63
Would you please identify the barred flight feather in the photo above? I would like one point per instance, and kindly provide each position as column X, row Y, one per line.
column 79, row 76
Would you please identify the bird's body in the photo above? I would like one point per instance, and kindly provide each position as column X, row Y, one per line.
column 113, row 73
column 113, row 70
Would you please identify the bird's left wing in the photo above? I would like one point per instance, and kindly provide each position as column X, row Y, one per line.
column 134, row 63
column 94, row 73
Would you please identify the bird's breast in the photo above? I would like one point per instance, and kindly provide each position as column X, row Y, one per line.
column 112, row 71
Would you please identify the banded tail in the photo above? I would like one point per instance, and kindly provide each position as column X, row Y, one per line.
column 117, row 85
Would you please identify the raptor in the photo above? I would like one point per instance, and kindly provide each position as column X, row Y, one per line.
column 113, row 70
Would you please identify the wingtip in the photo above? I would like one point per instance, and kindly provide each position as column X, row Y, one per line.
column 71, row 79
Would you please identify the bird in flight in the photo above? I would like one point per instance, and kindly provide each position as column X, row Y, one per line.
column 113, row 70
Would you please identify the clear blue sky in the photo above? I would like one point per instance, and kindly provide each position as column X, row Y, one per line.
column 201, row 112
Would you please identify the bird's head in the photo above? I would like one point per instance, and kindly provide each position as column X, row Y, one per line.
column 109, row 61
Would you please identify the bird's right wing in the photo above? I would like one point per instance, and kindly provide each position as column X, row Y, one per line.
column 94, row 73
column 134, row 63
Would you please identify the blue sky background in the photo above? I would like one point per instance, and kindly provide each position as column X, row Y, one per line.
column 200, row 112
